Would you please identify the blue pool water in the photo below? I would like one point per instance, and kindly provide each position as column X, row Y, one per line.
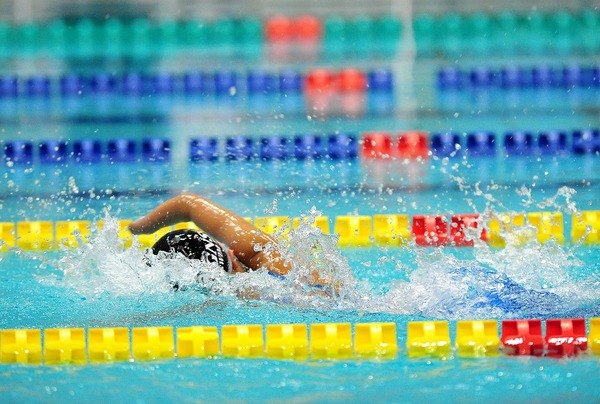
column 86, row 288
column 104, row 285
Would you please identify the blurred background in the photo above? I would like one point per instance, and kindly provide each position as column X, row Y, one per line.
column 174, row 81
column 28, row 10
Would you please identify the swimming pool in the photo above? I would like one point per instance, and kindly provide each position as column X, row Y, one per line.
column 103, row 285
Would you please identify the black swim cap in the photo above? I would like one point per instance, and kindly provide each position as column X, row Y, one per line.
column 193, row 244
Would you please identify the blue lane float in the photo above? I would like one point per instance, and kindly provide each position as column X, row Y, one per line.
column 308, row 147
column 72, row 84
column 586, row 141
column 163, row 83
column 380, row 80
column 9, row 86
column 482, row 77
column 196, row 83
column 481, row 144
column 290, row 81
column 260, row 82
column 337, row 146
column 38, row 86
column 590, row 77
column 226, row 82
column 445, row 144
column 342, row 146
column 87, row 151
column 122, row 150
column 543, row 76
column 131, row 83
column 53, row 151
column 573, row 76
column 518, row 143
column 204, row 149
column 451, row 78
column 156, row 150
column 18, row 152
column 538, row 76
column 274, row 148
column 552, row 142
column 239, row 148
column 510, row 77
column 103, row 83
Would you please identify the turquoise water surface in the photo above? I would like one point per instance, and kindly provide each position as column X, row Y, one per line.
column 105, row 285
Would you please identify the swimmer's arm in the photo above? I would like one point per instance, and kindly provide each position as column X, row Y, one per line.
column 243, row 238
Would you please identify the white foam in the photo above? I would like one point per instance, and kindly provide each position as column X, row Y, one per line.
column 522, row 279
column 532, row 279
column 104, row 266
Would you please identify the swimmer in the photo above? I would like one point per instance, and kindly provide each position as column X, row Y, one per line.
column 226, row 238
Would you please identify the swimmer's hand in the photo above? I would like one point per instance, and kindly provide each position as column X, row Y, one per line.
column 249, row 294
column 325, row 284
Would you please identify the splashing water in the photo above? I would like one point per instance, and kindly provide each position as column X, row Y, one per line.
column 519, row 280
column 315, row 254
column 104, row 266
column 527, row 281
column 526, row 278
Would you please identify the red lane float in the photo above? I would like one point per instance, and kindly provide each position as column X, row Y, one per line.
column 307, row 28
column 377, row 145
column 409, row 145
column 352, row 80
column 413, row 144
column 279, row 29
column 430, row 230
column 522, row 337
column 565, row 337
column 283, row 29
column 320, row 81
column 346, row 81
column 458, row 224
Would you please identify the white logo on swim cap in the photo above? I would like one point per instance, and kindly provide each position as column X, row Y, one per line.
column 212, row 251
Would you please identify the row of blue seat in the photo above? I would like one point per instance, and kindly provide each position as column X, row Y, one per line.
column 570, row 76
column 197, row 82
column 335, row 146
